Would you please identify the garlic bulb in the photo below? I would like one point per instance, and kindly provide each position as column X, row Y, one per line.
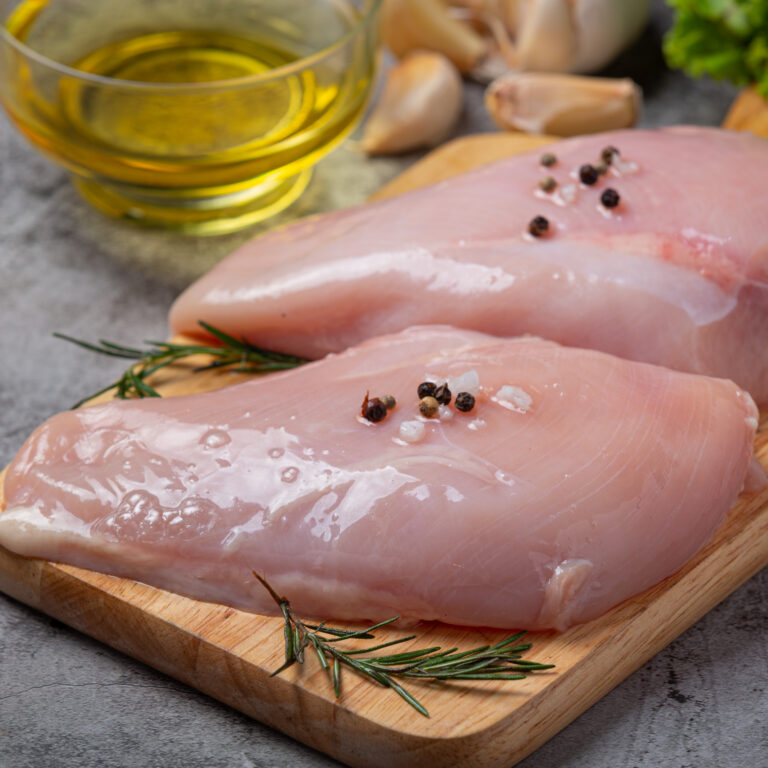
column 562, row 105
column 575, row 35
column 419, row 106
column 528, row 35
column 604, row 28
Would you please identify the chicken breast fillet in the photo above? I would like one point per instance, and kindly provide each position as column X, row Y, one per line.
column 676, row 274
column 577, row 480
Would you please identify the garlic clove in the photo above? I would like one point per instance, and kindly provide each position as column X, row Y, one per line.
column 546, row 37
column 500, row 55
column 507, row 11
column 562, row 105
column 573, row 35
column 558, row 35
column 410, row 25
column 510, row 12
column 419, row 106
column 604, row 28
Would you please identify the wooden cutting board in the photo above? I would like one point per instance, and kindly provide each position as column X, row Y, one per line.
column 229, row 654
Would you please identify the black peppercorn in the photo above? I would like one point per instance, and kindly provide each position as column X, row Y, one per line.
column 464, row 402
column 388, row 402
column 426, row 389
column 443, row 394
column 588, row 174
column 374, row 410
column 547, row 184
column 548, row 159
column 608, row 153
column 610, row 198
column 538, row 226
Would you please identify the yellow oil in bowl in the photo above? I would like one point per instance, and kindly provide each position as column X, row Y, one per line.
column 198, row 115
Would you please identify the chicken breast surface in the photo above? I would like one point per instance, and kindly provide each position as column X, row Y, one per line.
column 577, row 480
column 676, row 274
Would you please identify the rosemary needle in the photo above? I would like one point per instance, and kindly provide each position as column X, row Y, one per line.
column 501, row 661
column 231, row 353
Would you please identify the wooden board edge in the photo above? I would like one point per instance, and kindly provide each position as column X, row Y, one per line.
column 749, row 112
column 673, row 606
column 459, row 156
column 41, row 588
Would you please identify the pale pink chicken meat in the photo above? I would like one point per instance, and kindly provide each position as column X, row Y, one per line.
column 676, row 275
column 577, row 480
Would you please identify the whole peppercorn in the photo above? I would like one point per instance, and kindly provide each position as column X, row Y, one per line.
column 388, row 402
column 607, row 154
column 548, row 160
column 588, row 174
column 426, row 389
column 429, row 406
column 464, row 402
column 538, row 226
column 610, row 198
column 374, row 410
column 443, row 394
column 601, row 169
column 547, row 184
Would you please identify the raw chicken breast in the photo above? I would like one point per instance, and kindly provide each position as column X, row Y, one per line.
column 577, row 480
column 676, row 275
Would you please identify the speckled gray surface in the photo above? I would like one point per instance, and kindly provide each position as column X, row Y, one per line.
column 66, row 701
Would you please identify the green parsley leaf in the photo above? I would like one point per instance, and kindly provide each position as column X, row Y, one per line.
column 725, row 39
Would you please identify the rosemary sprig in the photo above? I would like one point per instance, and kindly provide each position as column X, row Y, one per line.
column 230, row 353
column 501, row 661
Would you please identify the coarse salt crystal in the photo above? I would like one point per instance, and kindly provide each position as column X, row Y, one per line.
column 623, row 167
column 514, row 398
column 444, row 413
column 568, row 193
column 466, row 382
column 412, row 431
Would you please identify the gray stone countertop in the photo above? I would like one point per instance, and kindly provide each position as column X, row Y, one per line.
column 68, row 701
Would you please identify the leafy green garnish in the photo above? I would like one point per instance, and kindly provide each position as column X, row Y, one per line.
column 725, row 39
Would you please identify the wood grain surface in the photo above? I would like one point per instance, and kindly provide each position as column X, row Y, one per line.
column 749, row 112
column 229, row 654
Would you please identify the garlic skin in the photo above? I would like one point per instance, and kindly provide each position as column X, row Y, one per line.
column 411, row 25
column 575, row 35
column 546, row 37
column 419, row 106
column 562, row 105
column 604, row 28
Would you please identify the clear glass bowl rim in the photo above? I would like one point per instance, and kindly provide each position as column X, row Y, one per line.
column 241, row 82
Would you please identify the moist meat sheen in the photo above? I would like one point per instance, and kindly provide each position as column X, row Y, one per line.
column 577, row 480
column 676, row 274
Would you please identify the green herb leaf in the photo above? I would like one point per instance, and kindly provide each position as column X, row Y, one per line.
column 725, row 39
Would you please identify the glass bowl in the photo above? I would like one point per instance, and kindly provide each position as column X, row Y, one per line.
column 203, row 116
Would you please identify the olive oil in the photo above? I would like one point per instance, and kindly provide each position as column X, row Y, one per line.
column 202, row 126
